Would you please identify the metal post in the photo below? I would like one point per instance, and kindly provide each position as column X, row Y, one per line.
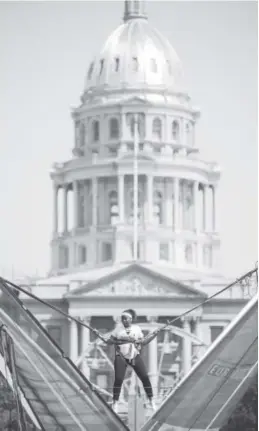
column 135, row 190
column 136, row 404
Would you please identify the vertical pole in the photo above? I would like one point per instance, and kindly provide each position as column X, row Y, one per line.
column 136, row 405
column 135, row 190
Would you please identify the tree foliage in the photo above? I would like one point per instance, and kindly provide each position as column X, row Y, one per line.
column 245, row 416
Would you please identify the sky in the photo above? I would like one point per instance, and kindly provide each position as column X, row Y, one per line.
column 45, row 51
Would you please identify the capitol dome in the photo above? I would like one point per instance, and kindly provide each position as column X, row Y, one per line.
column 135, row 56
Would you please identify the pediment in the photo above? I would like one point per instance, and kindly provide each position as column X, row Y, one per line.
column 137, row 281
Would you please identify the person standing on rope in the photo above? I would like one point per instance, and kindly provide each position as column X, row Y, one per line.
column 128, row 339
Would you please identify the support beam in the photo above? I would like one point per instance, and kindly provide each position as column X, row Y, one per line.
column 73, row 340
column 153, row 360
column 85, row 340
column 187, row 348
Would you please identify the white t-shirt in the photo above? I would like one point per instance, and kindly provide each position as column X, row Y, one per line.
column 129, row 350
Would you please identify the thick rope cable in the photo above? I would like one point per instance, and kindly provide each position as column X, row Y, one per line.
column 151, row 335
column 96, row 332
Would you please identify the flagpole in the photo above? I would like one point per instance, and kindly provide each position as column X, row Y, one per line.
column 135, row 190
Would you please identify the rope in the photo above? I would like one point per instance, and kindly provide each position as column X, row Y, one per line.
column 96, row 332
column 149, row 337
column 238, row 280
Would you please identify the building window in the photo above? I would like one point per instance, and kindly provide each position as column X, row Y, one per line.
column 114, row 128
column 117, row 64
column 131, row 206
column 153, row 65
column 142, row 125
column 114, row 208
column 63, row 257
column 113, row 152
column 55, row 333
column 130, row 122
column 82, row 135
column 90, row 71
column 134, row 64
column 157, row 128
column 138, row 250
column 158, row 208
column 106, row 251
column 163, row 251
column 101, row 66
column 96, row 130
column 82, row 254
column 175, row 130
column 189, row 253
column 215, row 331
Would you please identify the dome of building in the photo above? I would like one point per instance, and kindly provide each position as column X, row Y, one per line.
column 135, row 55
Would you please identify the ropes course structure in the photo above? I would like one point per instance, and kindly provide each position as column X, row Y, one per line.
column 44, row 350
column 170, row 339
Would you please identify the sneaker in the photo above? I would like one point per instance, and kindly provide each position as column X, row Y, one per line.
column 115, row 407
column 152, row 405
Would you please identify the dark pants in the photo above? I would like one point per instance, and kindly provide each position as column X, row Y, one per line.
column 120, row 366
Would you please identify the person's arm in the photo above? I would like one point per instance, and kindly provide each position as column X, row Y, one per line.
column 119, row 341
column 139, row 340
column 150, row 337
column 113, row 338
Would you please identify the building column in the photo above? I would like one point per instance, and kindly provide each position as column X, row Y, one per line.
column 85, row 201
column 85, row 340
column 168, row 203
column 65, row 208
column 214, row 218
column 153, row 360
column 124, row 133
column 121, row 199
column 75, row 199
column 205, row 207
column 196, row 207
column 73, row 340
column 94, row 201
column 199, row 350
column 150, row 194
column 55, row 209
column 187, row 348
column 176, row 204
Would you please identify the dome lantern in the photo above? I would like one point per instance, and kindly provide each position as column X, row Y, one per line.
column 134, row 9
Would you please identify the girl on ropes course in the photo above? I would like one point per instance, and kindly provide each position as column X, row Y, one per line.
column 128, row 339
